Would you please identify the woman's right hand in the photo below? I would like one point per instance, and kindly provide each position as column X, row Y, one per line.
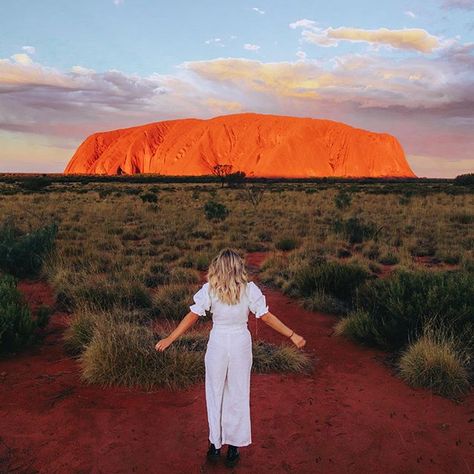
column 298, row 340
column 163, row 344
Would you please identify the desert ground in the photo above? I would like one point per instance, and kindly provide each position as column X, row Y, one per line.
column 126, row 259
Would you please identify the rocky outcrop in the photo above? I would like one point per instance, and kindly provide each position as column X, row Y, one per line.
column 260, row 145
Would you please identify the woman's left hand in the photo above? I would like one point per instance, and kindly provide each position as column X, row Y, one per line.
column 162, row 344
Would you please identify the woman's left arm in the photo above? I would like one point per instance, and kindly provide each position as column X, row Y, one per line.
column 271, row 320
column 181, row 328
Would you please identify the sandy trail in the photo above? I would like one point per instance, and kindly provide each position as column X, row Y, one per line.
column 352, row 415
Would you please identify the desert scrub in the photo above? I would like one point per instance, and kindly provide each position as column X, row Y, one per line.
column 86, row 319
column 279, row 358
column 355, row 326
column 22, row 253
column 172, row 301
column 338, row 280
column 435, row 361
column 326, row 303
column 287, row 243
column 17, row 327
column 274, row 270
column 124, row 354
column 399, row 306
column 355, row 229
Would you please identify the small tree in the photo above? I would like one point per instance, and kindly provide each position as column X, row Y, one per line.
column 255, row 194
column 222, row 171
column 235, row 179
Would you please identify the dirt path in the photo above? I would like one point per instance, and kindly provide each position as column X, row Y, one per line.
column 351, row 416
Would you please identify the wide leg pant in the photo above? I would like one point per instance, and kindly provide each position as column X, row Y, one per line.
column 228, row 362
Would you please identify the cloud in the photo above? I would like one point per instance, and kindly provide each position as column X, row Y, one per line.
column 461, row 4
column 23, row 59
column 415, row 39
column 304, row 23
column 410, row 14
column 118, row 2
column 215, row 41
column 301, row 55
column 426, row 101
column 258, row 10
column 29, row 49
column 219, row 106
column 251, row 47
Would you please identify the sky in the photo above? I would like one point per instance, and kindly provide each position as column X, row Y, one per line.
column 69, row 69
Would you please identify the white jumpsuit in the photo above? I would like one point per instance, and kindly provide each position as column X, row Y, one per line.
column 228, row 363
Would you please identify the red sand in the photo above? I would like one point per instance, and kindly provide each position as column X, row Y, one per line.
column 257, row 144
column 351, row 415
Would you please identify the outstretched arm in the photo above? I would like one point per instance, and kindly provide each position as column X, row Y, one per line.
column 271, row 320
column 181, row 328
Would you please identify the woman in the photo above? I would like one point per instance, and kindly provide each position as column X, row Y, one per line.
column 228, row 360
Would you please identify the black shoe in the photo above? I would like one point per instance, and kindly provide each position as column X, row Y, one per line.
column 232, row 457
column 213, row 453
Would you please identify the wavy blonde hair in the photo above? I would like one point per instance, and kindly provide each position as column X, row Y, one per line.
column 227, row 276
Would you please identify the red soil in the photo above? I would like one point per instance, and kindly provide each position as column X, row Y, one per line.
column 351, row 415
column 257, row 144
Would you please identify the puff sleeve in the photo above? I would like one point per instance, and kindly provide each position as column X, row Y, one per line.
column 202, row 301
column 257, row 300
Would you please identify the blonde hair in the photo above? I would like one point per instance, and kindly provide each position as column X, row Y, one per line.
column 227, row 276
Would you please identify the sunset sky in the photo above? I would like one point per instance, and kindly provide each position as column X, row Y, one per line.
column 69, row 68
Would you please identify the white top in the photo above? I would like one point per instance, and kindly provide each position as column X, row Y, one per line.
column 224, row 314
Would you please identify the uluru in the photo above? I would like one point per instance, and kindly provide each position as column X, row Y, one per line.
column 259, row 145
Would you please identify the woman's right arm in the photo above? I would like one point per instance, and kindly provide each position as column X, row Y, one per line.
column 181, row 328
column 271, row 320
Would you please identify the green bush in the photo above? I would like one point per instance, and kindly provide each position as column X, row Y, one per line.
column 172, row 301
column 343, row 199
column 286, row 244
column 215, row 211
column 149, row 197
column 22, row 255
column 355, row 230
column 401, row 305
column 339, row 280
column 17, row 327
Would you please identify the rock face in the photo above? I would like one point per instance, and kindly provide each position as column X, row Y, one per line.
column 259, row 145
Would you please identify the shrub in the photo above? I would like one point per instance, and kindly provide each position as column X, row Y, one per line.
column 389, row 259
column 124, row 354
column 172, row 301
column 424, row 247
column 462, row 218
column 272, row 358
column 355, row 326
column 36, row 184
column 435, row 363
column 464, row 179
column 339, row 280
column 401, row 305
column 355, row 230
column 215, row 211
column 343, row 199
column 149, row 197
column 16, row 324
column 320, row 301
column 23, row 255
column 286, row 244
column 85, row 321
